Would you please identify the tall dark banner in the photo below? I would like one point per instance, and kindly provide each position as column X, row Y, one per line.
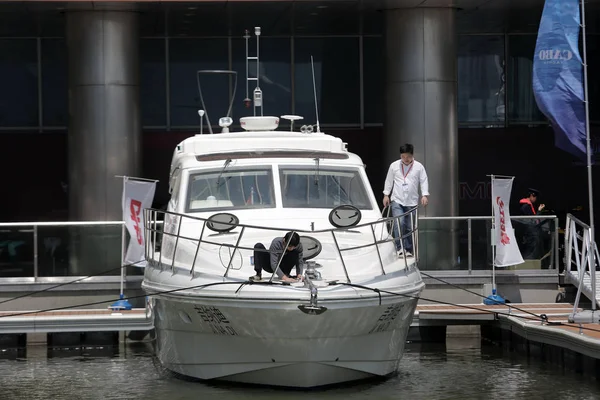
column 558, row 74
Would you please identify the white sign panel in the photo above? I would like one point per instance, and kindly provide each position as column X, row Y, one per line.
column 137, row 195
column 507, row 249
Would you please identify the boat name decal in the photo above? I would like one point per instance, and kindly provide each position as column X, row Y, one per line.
column 386, row 319
column 219, row 324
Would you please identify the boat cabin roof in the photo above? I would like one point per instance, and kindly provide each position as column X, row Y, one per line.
column 252, row 145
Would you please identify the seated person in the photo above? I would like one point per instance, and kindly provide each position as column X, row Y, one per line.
column 268, row 260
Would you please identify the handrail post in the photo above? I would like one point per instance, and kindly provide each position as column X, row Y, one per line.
column 155, row 234
column 147, row 234
column 176, row 242
column 401, row 236
column 197, row 249
column 414, row 223
column 337, row 246
column 470, row 246
column 35, row 253
column 377, row 248
column 234, row 250
column 556, row 239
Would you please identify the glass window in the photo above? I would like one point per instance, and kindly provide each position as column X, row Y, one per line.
column 373, row 21
column 227, row 189
column 186, row 57
column 54, row 83
column 275, row 17
column 151, row 20
column 153, row 86
column 337, row 79
column 18, row 82
column 374, row 78
column 322, row 188
column 522, row 106
column 481, row 78
column 326, row 18
column 275, row 75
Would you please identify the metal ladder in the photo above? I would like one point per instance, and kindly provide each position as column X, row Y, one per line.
column 257, row 94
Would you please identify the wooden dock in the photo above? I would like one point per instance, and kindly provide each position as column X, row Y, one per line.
column 543, row 323
column 75, row 320
column 474, row 314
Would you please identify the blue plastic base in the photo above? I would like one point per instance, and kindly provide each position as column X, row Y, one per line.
column 493, row 299
column 121, row 304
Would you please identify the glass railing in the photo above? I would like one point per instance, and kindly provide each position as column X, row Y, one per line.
column 65, row 249
column 464, row 243
column 54, row 249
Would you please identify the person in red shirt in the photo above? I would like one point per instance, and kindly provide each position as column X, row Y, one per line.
column 531, row 245
column 528, row 203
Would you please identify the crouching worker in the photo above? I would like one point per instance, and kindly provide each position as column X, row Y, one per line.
column 268, row 260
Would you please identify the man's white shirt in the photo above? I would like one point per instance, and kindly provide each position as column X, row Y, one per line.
column 405, row 180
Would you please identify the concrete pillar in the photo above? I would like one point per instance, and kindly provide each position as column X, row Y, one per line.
column 104, row 121
column 104, row 110
column 421, row 108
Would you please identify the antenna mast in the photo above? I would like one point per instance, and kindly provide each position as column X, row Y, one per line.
column 257, row 94
column 312, row 64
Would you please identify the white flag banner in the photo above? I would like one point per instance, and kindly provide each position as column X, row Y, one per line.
column 137, row 195
column 507, row 249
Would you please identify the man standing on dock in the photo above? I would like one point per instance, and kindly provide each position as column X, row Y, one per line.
column 404, row 179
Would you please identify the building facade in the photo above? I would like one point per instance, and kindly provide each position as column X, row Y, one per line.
column 94, row 90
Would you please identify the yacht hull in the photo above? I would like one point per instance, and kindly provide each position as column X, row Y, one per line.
column 275, row 343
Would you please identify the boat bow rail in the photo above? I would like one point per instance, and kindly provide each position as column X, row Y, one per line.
column 184, row 237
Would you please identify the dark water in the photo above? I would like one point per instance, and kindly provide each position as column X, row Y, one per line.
column 460, row 370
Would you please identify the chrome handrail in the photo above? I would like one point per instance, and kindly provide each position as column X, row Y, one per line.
column 32, row 227
column 151, row 214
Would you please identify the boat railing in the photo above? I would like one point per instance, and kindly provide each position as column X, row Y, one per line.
column 581, row 260
column 51, row 252
column 169, row 237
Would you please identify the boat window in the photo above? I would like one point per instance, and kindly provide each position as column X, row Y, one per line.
column 231, row 188
column 322, row 187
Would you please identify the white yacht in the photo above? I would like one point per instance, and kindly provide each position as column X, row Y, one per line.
column 348, row 316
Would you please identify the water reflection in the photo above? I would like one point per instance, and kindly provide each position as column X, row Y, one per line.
column 461, row 369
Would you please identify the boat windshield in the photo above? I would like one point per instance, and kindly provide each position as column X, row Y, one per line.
column 322, row 187
column 231, row 188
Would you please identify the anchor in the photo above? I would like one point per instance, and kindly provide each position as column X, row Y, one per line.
column 313, row 308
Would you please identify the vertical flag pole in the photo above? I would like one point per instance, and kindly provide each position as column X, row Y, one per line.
column 494, row 241
column 122, row 303
column 501, row 234
column 592, row 249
